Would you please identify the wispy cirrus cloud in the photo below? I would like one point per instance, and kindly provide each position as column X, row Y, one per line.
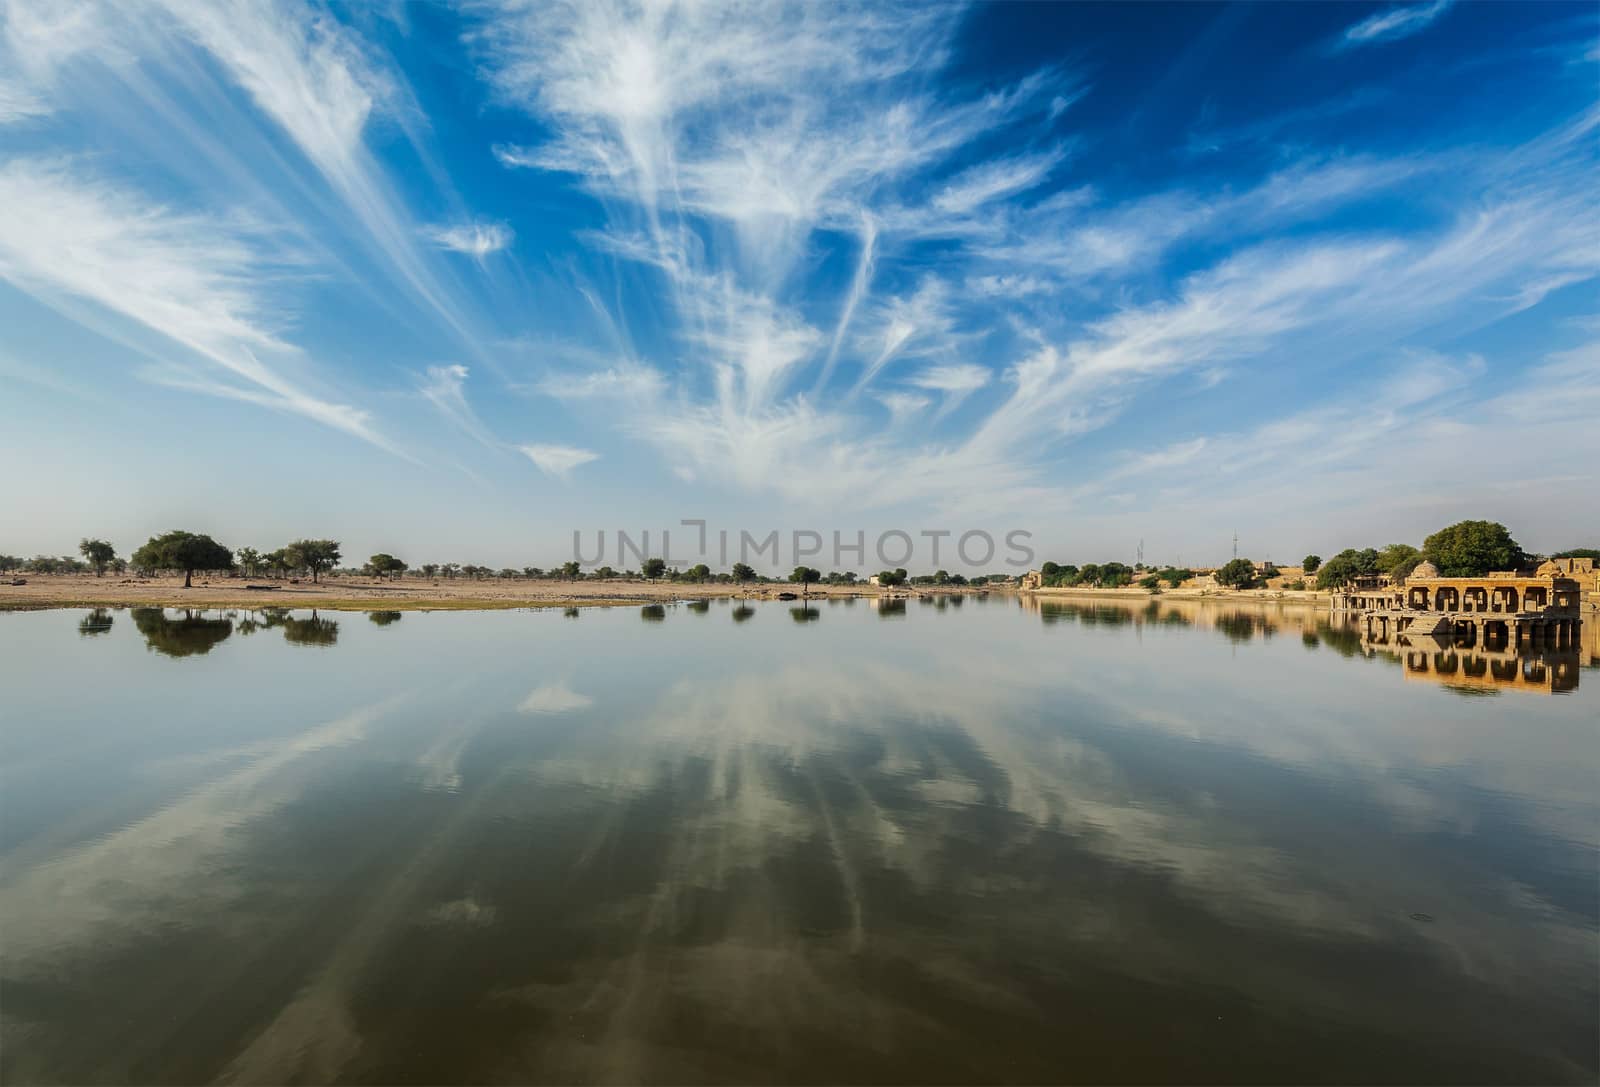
column 67, row 237
column 310, row 81
column 784, row 142
column 558, row 460
column 476, row 239
column 1393, row 24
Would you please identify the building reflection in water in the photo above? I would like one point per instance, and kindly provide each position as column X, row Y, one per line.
column 1455, row 663
column 1472, row 669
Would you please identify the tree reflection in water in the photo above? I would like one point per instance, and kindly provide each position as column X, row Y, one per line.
column 193, row 635
column 313, row 631
column 96, row 622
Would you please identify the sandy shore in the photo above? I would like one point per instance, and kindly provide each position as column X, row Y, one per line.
column 369, row 594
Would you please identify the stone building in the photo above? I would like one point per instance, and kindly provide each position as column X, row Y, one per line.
column 1506, row 608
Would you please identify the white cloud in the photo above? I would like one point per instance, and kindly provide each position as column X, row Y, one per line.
column 622, row 382
column 194, row 280
column 476, row 239
column 952, row 379
column 733, row 155
column 1394, row 23
column 558, row 460
column 19, row 104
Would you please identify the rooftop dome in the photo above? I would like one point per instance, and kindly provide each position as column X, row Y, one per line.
column 1425, row 569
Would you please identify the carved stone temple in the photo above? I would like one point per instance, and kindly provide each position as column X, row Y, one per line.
column 1499, row 610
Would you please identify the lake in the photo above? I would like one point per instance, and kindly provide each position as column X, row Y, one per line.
column 970, row 840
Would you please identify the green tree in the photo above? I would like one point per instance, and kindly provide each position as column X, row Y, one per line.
column 1237, row 574
column 430, row 569
column 1398, row 560
column 8, row 563
column 571, row 570
column 1570, row 553
column 1346, row 566
column 1472, row 549
column 1176, row 576
column 1151, row 582
column 743, row 572
column 186, row 551
column 314, row 555
column 99, row 553
column 248, row 559
column 654, row 568
column 281, row 561
column 386, row 565
column 1310, row 563
column 699, row 572
column 605, row 572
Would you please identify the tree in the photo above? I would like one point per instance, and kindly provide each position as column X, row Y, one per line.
column 279, row 560
column 1472, row 549
column 1151, row 582
column 1237, row 574
column 571, row 570
column 1570, row 553
column 1398, row 560
column 386, row 565
column 186, row 551
column 743, row 572
column 99, row 553
column 1176, row 576
column 654, row 568
column 699, row 572
column 314, row 555
column 8, row 563
column 248, row 559
column 805, row 577
column 1346, row 566
column 1310, row 563
column 430, row 569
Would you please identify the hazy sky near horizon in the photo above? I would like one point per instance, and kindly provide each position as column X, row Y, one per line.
column 454, row 280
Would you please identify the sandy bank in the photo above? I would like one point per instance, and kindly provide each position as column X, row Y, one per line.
column 368, row 594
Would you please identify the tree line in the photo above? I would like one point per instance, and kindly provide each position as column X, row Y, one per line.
column 1464, row 549
column 189, row 553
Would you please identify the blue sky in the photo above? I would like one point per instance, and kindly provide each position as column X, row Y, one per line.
column 456, row 280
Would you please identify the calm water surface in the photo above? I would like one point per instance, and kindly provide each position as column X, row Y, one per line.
column 724, row 842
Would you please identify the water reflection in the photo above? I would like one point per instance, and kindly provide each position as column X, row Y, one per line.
column 743, row 612
column 1452, row 663
column 889, row 609
column 1472, row 670
column 805, row 615
column 314, row 631
column 384, row 618
column 981, row 849
column 96, row 622
column 699, row 607
column 192, row 635
column 653, row 613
